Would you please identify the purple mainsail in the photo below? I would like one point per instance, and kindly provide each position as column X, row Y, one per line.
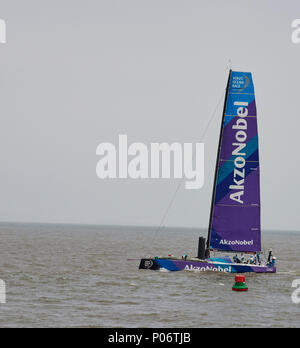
column 235, row 213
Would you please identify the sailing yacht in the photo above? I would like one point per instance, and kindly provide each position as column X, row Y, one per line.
column 234, row 224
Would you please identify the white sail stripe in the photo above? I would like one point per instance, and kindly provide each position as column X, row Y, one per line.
column 221, row 159
column 238, row 116
column 240, row 206
column 241, row 93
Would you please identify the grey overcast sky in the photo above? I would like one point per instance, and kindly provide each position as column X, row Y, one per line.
column 75, row 73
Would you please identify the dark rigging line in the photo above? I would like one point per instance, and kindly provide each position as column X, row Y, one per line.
column 181, row 181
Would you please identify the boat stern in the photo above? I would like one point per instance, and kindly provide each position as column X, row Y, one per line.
column 149, row 264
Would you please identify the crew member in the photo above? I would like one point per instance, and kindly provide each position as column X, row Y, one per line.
column 236, row 259
column 258, row 258
column 270, row 255
column 242, row 258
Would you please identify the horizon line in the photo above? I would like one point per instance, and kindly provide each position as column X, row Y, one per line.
column 154, row 227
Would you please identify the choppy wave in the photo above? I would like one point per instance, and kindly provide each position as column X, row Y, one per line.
column 79, row 276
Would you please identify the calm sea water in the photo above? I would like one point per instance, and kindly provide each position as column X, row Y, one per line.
column 79, row 276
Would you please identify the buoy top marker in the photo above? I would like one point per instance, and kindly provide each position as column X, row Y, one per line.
column 240, row 284
column 240, row 279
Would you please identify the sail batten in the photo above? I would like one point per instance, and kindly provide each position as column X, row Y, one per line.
column 235, row 212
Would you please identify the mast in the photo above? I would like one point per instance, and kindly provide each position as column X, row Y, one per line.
column 216, row 168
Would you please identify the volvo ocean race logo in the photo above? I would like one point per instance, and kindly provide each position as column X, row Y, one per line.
column 148, row 263
column 239, row 162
